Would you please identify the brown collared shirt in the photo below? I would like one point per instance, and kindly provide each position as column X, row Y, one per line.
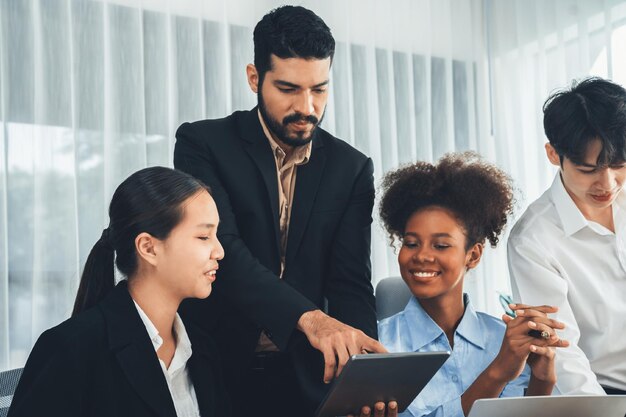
column 286, row 171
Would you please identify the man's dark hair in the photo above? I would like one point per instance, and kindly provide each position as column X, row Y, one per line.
column 591, row 109
column 291, row 32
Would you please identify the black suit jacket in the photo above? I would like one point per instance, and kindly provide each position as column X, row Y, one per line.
column 102, row 363
column 328, row 249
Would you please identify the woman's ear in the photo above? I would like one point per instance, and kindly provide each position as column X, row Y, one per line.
column 145, row 245
column 474, row 255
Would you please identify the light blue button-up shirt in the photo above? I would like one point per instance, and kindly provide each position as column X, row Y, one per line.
column 477, row 341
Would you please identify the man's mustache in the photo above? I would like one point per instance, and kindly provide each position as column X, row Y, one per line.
column 298, row 117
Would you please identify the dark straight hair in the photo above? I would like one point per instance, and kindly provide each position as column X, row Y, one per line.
column 591, row 109
column 291, row 32
column 150, row 201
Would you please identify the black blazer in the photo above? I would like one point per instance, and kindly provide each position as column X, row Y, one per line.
column 102, row 363
column 328, row 249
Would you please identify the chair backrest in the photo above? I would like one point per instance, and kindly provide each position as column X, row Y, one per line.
column 8, row 383
column 392, row 295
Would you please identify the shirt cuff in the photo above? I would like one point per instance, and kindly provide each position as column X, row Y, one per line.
column 451, row 408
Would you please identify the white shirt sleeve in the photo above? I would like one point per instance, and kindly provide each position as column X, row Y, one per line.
column 536, row 280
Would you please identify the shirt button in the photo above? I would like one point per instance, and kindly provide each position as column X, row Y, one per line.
column 455, row 378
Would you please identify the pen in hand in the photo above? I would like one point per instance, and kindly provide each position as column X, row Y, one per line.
column 506, row 301
column 539, row 334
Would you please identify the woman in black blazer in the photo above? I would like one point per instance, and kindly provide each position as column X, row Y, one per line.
column 108, row 359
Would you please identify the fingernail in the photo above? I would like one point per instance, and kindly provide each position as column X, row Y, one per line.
column 520, row 312
column 533, row 348
column 532, row 324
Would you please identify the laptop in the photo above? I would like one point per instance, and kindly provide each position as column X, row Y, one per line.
column 551, row 406
column 367, row 379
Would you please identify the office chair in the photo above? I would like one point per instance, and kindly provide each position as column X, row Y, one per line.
column 8, row 383
column 392, row 295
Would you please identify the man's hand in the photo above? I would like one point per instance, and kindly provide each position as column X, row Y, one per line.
column 336, row 341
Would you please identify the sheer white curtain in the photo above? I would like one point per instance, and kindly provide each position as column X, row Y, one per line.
column 535, row 47
column 91, row 91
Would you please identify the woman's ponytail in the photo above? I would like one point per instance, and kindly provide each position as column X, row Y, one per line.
column 150, row 201
column 98, row 276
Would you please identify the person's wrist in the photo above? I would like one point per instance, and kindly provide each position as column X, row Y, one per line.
column 537, row 386
column 497, row 372
column 307, row 319
column 543, row 378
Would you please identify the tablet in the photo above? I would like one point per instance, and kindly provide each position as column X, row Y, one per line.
column 367, row 379
column 555, row 406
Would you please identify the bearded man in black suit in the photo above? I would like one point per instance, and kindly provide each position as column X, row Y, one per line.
column 294, row 294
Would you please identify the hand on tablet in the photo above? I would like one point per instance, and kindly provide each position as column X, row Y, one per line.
column 379, row 410
column 336, row 341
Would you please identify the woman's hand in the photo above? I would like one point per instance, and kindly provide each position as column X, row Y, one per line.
column 539, row 321
column 517, row 349
column 541, row 358
column 379, row 410
column 518, row 346
column 541, row 362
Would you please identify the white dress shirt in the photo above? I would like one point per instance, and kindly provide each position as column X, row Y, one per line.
column 558, row 257
column 177, row 375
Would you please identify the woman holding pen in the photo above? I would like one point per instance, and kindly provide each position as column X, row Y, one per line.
column 442, row 215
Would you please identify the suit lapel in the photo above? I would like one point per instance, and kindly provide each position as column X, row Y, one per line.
column 133, row 349
column 141, row 367
column 260, row 151
column 308, row 179
column 201, row 370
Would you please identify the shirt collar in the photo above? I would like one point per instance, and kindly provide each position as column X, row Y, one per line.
column 301, row 154
column 153, row 333
column 572, row 218
column 619, row 212
column 469, row 328
column 183, row 344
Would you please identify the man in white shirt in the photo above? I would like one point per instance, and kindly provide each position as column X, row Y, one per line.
column 569, row 248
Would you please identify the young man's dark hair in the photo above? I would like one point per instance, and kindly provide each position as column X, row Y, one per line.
column 290, row 32
column 591, row 109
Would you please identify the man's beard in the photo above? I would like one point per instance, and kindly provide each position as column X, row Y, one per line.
column 280, row 129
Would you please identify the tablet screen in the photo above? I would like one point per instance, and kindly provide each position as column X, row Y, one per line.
column 367, row 379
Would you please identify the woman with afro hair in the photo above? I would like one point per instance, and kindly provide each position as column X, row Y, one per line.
column 442, row 215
